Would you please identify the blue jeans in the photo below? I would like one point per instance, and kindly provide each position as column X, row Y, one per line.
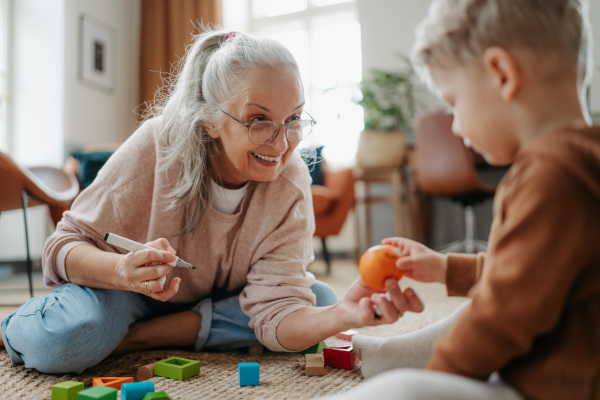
column 74, row 327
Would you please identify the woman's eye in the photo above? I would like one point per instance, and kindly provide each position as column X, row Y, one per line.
column 258, row 118
column 294, row 118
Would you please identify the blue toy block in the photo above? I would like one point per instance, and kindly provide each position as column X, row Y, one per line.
column 136, row 390
column 156, row 396
column 67, row 390
column 249, row 374
column 177, row 368
column 98, row 393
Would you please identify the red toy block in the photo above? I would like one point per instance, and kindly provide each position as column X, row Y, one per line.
column 113, row 382
column 347, row 335
column 340, row 357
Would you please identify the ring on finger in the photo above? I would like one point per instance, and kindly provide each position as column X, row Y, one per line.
column 147, row 286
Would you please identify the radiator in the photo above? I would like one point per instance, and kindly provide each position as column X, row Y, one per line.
column 12, row 233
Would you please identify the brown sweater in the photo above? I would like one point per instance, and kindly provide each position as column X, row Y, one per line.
column 264, row 247
column 535, row 314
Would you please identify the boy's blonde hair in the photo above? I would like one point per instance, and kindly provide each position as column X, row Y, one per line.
column 458, row 31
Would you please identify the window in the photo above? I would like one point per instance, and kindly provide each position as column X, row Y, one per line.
column 324, row 36
column 4, row 69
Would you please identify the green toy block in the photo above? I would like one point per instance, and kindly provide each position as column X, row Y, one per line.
column 98, row 393
column 315, row 349
column 67, row 390
column 156, row 396
column 177, row 368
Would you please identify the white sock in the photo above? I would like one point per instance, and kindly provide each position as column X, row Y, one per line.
column 413, row 350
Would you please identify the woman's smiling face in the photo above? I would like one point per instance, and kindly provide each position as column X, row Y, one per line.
column 265, row 94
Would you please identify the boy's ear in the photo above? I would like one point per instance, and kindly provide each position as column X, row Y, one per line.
column 504, row 70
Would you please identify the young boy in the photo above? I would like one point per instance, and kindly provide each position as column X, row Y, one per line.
column 513, row 72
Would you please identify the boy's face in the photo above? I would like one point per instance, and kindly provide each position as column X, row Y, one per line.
column 479, row 112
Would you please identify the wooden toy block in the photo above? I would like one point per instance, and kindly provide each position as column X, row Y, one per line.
column 314, row 349
column 67, row 390
column 255, row 350
column 249, row 374
column 136, row 390
column 98, row 393
column 177, row 368
column 145, row 372
column 113, row 382
column 313, row 365
column 340, row 357
column 347, row 335
column 156, row 396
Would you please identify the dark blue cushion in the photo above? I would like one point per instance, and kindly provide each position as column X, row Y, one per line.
column 312, row 158
column 89, row 165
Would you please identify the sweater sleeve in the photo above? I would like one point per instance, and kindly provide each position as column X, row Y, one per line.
column 464, row 271
column 278, row 283
column 530, row 268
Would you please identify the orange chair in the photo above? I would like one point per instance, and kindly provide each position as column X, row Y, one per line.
column 23, row 187
column 446, row 168
column 332, row 202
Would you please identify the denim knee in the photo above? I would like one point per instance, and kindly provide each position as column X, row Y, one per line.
column 325, row 294
column 75, row 326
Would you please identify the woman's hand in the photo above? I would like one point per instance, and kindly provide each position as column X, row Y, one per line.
column 419, row 262
column 145, row 271
column 358, row 306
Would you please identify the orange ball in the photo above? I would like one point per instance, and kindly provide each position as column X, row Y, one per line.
column 377, row 264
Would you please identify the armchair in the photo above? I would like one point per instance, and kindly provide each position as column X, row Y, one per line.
column 23, row 187
column 332, row 201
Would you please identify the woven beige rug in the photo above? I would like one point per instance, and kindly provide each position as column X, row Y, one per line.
column 281, row 374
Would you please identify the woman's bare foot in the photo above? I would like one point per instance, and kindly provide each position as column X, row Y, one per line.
column 173, row 330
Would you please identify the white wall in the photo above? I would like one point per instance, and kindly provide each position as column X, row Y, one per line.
column 92, row 115
column 52, row 108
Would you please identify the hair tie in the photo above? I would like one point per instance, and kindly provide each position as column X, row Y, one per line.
column 229, row 36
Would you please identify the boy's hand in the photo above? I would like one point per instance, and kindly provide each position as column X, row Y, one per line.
column 419, row 262
column 145, row 271
column 357, row 307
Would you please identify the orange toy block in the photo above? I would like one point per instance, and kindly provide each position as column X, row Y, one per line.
column 145, row 372
column 340, row 357
column 113, row 382
column 377, row 264
column 313, row 364
column 346, row 335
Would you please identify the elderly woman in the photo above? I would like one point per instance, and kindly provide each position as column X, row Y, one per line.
column 212, row 177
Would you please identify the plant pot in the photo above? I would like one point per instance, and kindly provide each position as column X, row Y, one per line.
column 379, row 149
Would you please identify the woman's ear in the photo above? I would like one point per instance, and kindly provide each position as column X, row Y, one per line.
column 211, row 130
column 504, row 70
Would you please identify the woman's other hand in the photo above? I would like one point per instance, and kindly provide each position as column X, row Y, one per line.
column 419, row 262
column 146, row 271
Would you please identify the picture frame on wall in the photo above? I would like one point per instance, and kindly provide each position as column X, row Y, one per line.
column 97, row 53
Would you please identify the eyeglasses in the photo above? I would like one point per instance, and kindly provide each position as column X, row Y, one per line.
column 264, row 132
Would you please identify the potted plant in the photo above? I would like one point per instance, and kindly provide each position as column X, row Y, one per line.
column 390, row 103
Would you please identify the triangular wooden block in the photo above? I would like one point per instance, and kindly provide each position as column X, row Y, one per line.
column 113, row 382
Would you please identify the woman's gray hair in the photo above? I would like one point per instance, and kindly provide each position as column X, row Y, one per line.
column 212, row 73
column 458, row 31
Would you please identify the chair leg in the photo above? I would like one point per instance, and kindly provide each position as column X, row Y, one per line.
column 29, row 267
column 326, row 256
